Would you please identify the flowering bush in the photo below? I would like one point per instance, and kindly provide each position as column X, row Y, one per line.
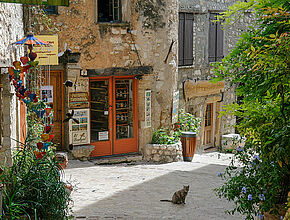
column 252, row 182
column 259, row 66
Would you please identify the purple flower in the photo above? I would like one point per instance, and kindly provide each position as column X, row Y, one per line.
column 244, row 190
column 250, row 197
column 261, row 197
column 256, row 157
column 281, row 217
column 261, row 216
column 219, row 174
column 239, row 149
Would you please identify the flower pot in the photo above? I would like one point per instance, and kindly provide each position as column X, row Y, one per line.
column 188, row 140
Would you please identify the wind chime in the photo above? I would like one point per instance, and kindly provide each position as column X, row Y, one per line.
column 29, row 92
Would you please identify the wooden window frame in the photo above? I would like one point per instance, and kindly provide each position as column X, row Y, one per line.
column 216, row 39
column 51, row 10
column 115, row 6
column 185, row 39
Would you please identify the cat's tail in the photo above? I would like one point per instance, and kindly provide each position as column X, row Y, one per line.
column 165, row 200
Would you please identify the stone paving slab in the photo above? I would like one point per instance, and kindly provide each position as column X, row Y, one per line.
column 126, row 191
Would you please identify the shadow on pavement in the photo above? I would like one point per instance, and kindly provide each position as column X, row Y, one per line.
column 142, row 201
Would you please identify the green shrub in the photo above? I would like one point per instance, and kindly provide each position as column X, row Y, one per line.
column 32, row 187
column 160, row 136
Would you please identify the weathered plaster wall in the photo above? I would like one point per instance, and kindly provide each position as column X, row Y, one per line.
column 200, row 70
column 154, row 45
column 143, row 38
column 11, row 29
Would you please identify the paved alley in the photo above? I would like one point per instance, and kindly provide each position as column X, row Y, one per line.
column 126, row 191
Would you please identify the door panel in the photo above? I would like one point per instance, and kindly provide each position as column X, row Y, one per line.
column 125, row 119
column 101, row 116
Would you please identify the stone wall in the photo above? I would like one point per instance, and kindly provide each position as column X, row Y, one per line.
column 200, row 70
column 142, row 39
column 162, row 152
column 11, row 30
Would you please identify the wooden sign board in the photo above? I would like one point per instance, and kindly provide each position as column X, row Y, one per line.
column 78, row 100
column 194, row 89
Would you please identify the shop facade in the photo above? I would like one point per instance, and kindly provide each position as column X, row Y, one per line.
column 123, row 72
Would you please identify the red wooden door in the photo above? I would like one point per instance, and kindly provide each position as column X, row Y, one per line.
column 113, row 113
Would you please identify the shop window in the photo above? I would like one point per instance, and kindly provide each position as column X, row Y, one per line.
column 185, row 39
column 216, row 40
column 51, row 10
column 109, row 10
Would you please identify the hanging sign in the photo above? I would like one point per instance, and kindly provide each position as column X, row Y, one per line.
column 80, row 132
column 147, row 108
column 175, row 107
column 40, row 2
column 47, row 55
column 78, row 100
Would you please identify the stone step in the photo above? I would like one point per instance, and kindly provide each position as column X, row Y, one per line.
column 117, row 159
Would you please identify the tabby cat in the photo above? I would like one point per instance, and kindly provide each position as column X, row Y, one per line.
column 179, row 196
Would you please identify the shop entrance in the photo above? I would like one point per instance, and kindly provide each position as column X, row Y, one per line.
column 113, row 113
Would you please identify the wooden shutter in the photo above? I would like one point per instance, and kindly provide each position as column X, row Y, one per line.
column 181, row 38
column 212, row 38
column 219, row 42
column 188, row 40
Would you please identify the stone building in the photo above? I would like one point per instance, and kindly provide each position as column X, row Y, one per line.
column 115, row 53
column 11, row 29
column 202, row 42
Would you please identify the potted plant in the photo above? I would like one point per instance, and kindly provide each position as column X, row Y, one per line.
column 186, row 129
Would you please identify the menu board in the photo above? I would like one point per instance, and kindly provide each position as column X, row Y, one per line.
column 79, row 129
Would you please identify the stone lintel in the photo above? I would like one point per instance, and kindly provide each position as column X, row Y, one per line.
column 120, row 71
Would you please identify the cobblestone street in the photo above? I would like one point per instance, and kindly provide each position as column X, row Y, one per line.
column 126, row 191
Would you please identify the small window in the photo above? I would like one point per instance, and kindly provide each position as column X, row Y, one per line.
column 51, row 10
column 185, row 39
column 216, row 40
column 109, row 10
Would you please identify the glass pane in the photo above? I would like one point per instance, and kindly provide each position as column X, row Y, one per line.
column 124, row 108
column 99, row 111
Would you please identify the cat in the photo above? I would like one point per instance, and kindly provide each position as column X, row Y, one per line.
column 179, row 196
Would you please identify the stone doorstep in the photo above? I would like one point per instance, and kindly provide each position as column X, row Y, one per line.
column 117, row 159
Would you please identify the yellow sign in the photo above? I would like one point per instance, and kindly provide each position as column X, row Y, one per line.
column 47, row 55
